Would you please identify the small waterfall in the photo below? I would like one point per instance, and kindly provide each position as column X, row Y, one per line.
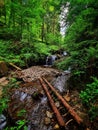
column 64, row 53
column 60, row 82
column 50, row 60
column 53, row 57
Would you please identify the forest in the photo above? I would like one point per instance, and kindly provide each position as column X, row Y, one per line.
column 31, row 30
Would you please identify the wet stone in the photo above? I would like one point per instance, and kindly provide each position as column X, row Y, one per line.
column 47, row 121
column 57, row 104
column 2, row 121
column 49, row 114
column 56, row 127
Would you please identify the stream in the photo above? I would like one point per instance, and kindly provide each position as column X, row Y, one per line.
column 31, row 99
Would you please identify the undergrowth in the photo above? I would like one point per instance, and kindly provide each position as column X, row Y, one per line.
column 90, row 98
column 4, row 101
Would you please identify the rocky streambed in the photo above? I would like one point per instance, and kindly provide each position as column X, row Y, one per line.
column 31, row 98
column 29, row 102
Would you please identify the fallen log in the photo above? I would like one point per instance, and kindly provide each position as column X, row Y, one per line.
column 56, row 111
column 68, row 107
column 16, row 67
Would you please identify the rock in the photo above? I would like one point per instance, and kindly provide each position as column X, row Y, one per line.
column 2, row 118
column 3, row 81
column 57, row 104
column 3, row 68
column 35, row 72
column 87, row 129
column 2, row 121
column 47, row 121
column 56, row 127
column 49, row 114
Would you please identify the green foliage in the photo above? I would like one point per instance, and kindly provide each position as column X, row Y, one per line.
column 21, row 112
column 27, row 20
column 53, row 48
column 81, row 40
column 8, row 53
column 12, row 84
column 21, row 124
column 53, row 39
column 93, row 112
column 90, row 97
column 24, row 22
column 3, row 104
column 91, row 92
column 6, row 96
column 22, row 54
column 63, row 64
column 41, row 48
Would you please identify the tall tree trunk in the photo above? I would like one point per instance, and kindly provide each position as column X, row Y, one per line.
column 12, row 16
column 5, row 11
column 21, row 26
column 21, row 22
column 42, row 32
column 28, row 29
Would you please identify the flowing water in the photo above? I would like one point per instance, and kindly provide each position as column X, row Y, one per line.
column 61, row 82
column 50, row 59
column 38, row 116
column 31, row 98
column 34, row 103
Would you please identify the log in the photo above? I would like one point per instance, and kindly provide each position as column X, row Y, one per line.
column 16, row 67
column 56, row 111
column 68, row 107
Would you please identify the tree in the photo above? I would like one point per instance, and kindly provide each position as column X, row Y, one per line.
column 26, row 23
column 81, row 39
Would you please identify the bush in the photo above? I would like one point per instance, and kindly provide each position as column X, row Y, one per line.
column 90, row 98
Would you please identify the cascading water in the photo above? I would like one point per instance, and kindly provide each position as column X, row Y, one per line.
column 38, row 115
column 50, row 59
column 34, row 103
column 60, row 82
